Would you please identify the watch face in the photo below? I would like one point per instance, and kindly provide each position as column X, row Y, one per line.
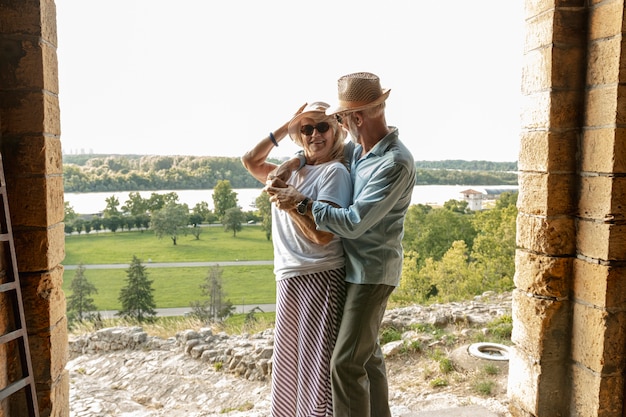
column 301, row 207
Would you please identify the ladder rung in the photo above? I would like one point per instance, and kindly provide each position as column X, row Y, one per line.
column 4, row 237
column 9, row 337
column 14, row 387
column 8, row 286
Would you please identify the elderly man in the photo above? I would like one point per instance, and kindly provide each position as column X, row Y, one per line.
column 371, row 228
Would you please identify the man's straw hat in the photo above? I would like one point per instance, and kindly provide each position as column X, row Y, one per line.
column 358, row 91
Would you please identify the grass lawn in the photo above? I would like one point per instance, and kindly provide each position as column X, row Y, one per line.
column 214, row 245
column 178, row 287
column 174, row 287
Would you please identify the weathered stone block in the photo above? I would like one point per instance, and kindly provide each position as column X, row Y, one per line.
column 602, row 198
column 534, row 113
column 29, row 112
column 600, row 285
column 549, row 236
column 542, row 275
column 43, row 295
column 19, row 16
column 604, row 241
column 541, row 327
column 545, row 151
column 534, row 387
column 536, row 70
column 539, row 195
column 42, row 206
column 604, row 62
column 601, row 150
column 601, row 106
column 48, row 12
column 25, row 56
column 568, row 66
column 39, row 249
column 606, row 20
column 598, row 339
column 53, row 398
column 32, row 155
column 551, row 110
column 49, row 352
column 570, row 23
column 539, row 30
column 596, row 395
column 566, row 109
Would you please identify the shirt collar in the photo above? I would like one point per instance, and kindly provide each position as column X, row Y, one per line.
column 381, row 147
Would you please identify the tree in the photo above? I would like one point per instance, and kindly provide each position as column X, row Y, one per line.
column 456, row 206
column 196, row 231
column 202, row 209
column 494, row 246
column 264, row 207
column 170, row 221
column 112, row 223
column 70, row 214
column 80, row 302
column 232, row 220
column 137, row 298
column 431, row 233
column 223, row 198
column 136, row 205
column 157, row 201
column 215, row 308
column 111, row 209
column 507, row 199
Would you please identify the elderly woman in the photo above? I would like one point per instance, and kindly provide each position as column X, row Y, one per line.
column 308, row 264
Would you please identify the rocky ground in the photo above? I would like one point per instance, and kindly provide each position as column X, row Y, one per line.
column 166, row 382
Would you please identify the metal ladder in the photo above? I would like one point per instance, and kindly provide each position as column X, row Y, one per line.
column 16, row 337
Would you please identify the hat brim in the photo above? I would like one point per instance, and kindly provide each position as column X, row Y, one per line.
column 345, row 107
column 293, row 129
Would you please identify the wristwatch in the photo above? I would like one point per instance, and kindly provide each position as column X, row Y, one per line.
column 301, row 207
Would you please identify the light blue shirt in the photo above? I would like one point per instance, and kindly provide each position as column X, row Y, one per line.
column 372, row 227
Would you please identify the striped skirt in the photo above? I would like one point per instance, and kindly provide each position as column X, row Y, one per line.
column 308, row 313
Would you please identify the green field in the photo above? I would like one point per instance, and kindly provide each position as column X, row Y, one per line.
column 214, row 245
column 174, row 287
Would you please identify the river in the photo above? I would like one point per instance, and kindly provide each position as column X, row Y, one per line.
column 91, row 203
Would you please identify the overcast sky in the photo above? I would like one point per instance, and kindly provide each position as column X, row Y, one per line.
column 204, row 77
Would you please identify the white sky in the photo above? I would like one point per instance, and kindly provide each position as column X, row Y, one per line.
column 205, row 77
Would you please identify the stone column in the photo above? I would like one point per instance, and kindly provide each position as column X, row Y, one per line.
column 598, row 285
column 568, row 306
column 31, row 152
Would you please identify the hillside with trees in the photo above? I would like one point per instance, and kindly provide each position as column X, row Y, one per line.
column 102, row 173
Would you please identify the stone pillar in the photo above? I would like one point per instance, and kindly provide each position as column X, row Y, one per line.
column 31, row 151
column 598, row 285
column 568, row 308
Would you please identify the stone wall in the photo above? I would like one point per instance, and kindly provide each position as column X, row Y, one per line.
column 31, row 152
column 250, row 355
column 568, row 308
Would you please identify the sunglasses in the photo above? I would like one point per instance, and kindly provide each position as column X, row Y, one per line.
column 321, row 127
column 339, row 118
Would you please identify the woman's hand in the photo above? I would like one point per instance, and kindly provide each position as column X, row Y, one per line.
column 285, row 198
